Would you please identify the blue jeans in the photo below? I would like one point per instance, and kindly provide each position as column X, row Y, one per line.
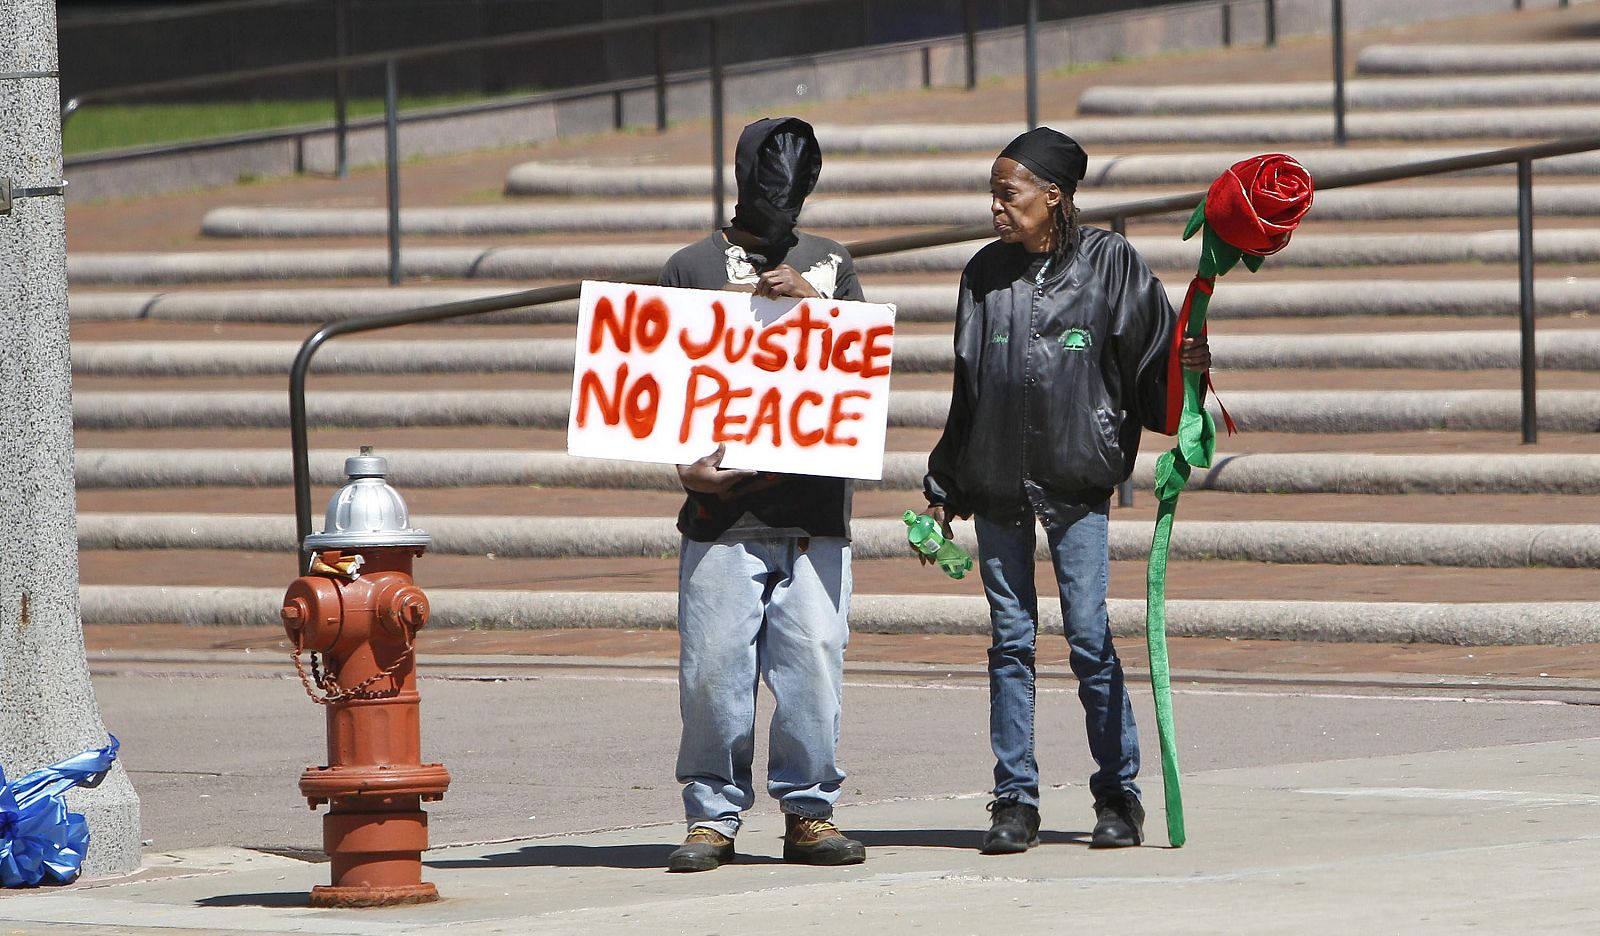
column 1081, row 557
column 753, row 608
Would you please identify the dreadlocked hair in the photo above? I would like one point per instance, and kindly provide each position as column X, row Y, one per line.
column 1065, row 218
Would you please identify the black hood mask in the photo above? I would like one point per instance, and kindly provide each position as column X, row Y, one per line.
column 776, row 167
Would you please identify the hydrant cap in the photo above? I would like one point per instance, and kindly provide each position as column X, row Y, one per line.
column 366, row 511
column 366, row 466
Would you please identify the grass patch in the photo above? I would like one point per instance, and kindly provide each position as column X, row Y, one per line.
column 116, row 126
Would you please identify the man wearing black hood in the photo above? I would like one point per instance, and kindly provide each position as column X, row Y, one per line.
column 1062, row 341
column 764, row 570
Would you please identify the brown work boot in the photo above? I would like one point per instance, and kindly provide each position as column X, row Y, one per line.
column 703, row 850
column 819, row 842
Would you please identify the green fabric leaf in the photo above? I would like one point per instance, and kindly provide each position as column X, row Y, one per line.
column 1253, row 262
column 1197, row 437
column 1172, row 473
column 1217, row 256
column 1196, row 219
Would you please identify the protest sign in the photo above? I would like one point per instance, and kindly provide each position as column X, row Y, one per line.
column 792, row 385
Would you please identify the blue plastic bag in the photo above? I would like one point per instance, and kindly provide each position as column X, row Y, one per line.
column 40, row 841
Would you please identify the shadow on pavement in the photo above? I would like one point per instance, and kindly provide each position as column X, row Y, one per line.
column 584, row 856
column 964, row 839
column 274, row 900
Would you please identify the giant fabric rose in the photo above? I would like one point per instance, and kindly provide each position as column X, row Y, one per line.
column 1257, row 203
column 1249, row 212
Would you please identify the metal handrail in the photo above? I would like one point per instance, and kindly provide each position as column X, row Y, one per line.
column 712, row 20
column 343, row 63
column 1117, row 215
column 453, row 47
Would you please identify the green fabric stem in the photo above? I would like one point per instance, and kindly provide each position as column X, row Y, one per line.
column 1160, row 673
column 1197, row 447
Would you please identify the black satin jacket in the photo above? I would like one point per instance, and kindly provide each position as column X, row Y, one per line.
column 1054, row 378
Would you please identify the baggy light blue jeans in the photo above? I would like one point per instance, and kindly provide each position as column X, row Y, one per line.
column 753, row 608
column 1082, row 565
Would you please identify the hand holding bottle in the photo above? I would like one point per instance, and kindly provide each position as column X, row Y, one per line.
column 931, row 539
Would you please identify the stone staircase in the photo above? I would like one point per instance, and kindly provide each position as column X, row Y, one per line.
column 1378, row 489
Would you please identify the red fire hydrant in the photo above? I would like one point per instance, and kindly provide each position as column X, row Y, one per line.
column 359, row 609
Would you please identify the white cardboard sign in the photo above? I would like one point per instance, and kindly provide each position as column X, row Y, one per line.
column 790, row 385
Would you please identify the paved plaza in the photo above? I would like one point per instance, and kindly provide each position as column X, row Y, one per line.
column 1318, row 802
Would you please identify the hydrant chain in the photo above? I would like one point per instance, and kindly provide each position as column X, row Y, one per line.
column 330, row 684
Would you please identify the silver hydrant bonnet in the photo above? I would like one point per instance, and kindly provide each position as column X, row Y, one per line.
column 366, row 511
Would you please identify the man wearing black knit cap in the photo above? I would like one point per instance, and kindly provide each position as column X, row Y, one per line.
column 1062, row 341
column 764, row 567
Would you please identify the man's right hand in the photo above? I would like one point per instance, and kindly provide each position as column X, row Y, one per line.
column 937, row 512
column 785, row 282
column 706, row 476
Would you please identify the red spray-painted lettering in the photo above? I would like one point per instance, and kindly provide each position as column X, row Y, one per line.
column 801, row 338
column 708, row 388
column 649, row 323
column 639, row 403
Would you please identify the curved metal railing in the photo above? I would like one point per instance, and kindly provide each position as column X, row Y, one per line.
column 1522, row 157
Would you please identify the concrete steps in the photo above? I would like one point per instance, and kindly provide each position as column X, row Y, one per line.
column 1478, row 624
column 846, row 175
column 1566, row 350
column 641, row 262
column 1389, row 204
column 1242, row 472
column 1278, row 130
column 1571, row 546
column 185, row 457
column 1253, row 411
column 1489, row 59
column 1363, row 93
column 1242, row 298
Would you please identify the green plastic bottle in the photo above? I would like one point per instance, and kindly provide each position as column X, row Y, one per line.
column 922, row 531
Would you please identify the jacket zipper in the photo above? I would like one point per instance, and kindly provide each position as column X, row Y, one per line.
column 1027, row 380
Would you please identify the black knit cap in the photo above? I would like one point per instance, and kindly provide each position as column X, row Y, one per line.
column 1052, row 155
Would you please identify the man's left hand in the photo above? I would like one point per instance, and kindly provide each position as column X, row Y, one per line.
column 785, row 282
column 1195, row 354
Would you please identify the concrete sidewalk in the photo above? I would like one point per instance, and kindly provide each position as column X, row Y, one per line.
column 1496, row 839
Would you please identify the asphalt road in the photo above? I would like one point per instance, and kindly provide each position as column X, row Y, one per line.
column 215, row 743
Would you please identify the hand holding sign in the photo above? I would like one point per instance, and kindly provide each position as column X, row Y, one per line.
column 785, row 385
column 785, row 282
column 707, row 476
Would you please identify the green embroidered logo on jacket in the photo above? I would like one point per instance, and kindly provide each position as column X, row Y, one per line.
column 1077, row 339
column 1000, row 338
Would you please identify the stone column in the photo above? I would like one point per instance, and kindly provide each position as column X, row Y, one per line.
column 47, row 705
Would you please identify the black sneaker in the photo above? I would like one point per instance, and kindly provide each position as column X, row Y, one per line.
column 703, row 850
column 1013, row 827
column 1119, row 821
column 819, row 842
